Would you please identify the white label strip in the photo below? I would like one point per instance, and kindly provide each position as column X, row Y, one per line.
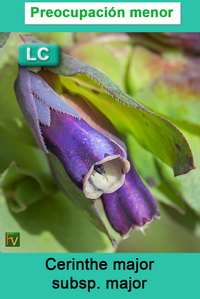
column 107, row 13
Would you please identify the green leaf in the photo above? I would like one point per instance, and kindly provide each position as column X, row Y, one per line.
column 149, row 169
column 146, row 66
column 23, row 187
column 147, row 127
column 168, row 84
column 23, row 154
column 8, row 74
column 9, row 52
column 52, row 225
column 3, row 38
column 18, row 128
column 187, row 219
column 187, row 185
column 176, row 97
column 181, row 193
column 11, row 119
column 110, row 54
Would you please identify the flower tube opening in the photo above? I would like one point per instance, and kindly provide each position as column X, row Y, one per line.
column 105, row 177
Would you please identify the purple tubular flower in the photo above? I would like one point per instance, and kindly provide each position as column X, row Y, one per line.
column 131, row 206
column 96, row 162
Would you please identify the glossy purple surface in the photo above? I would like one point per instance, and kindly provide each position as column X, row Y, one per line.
column 35, row 98
column 77, row 145
column 130, row 206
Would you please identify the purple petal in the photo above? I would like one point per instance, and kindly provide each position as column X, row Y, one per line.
column 43, row 113
column 43, row 92
column 27, row 104
column 131, row 206
column 80, row 147
column 29, row 88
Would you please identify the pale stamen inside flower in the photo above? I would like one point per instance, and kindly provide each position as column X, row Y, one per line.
column 106, row 177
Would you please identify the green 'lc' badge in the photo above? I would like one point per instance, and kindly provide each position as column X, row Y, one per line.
column 38, row 55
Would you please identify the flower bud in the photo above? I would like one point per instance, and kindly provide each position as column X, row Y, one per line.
column 131, row 206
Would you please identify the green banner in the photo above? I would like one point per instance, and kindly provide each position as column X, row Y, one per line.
column 89, row 275
column 13, row 17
